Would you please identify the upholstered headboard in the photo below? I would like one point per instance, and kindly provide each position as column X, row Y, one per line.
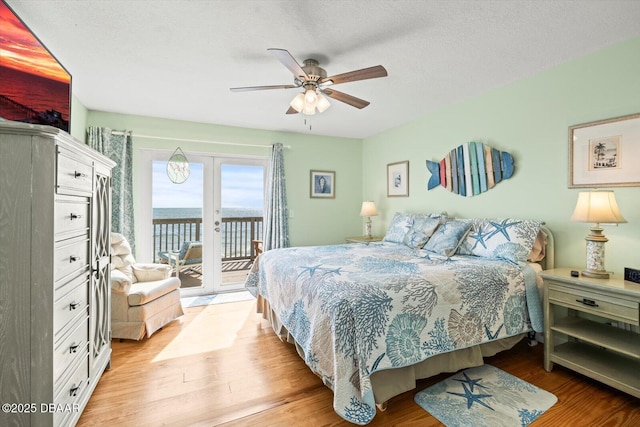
column 549, row 260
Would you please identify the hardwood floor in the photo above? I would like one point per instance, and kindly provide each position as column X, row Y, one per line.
column 222, row 365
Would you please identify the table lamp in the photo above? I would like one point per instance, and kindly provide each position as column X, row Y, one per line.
column 596, row 207
column 368, row 210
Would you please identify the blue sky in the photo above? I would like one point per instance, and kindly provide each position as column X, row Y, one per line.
column 242, row 187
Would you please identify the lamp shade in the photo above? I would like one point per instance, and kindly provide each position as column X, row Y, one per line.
column 597, row 206
column 368, row 209
column 298, row 102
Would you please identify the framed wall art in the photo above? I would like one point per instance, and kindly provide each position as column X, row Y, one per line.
column 398, row 179
column 323, row 184
column 605, row 153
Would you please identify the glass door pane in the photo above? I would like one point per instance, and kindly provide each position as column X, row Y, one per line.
column 178, row 224
column 238, row 218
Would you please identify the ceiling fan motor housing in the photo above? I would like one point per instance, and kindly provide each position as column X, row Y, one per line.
column 314, row 72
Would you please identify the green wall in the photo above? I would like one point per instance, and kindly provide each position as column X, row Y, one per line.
column 529, row 119
column 79, row 119
column 314, row 221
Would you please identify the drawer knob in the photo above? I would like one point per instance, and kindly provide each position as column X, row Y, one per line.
column 77, row 174
column 73, row 305
column 73, row 258
column 74, row 216
column 73, row 348
column 74, row 391
column 589, row 302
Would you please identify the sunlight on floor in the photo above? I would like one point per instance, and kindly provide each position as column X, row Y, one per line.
column 202, row 335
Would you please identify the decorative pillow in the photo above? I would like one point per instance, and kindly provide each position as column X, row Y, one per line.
column 422, row 228
column 447, row 237
column 503, row 238
column 539, row 249
column 120, row 283
column 151, row 272
column 400, row 225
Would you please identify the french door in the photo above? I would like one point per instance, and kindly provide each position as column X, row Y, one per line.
column 220, row 206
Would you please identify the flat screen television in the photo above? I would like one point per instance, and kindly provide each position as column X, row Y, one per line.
column 34, row 86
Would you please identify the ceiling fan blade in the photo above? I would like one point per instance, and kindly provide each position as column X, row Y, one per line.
column 288, row 61
column 292, row 110
column 249, row 88
column 352, row 76
column 347, row 99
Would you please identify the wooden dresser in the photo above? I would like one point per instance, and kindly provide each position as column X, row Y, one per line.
column 55, row 332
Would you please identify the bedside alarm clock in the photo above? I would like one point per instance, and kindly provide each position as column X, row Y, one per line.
column 632, row 275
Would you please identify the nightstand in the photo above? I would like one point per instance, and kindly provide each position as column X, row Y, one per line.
column 582, row 311
column 363, row 239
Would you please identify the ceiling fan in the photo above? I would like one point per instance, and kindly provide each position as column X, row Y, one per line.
column 315, row 83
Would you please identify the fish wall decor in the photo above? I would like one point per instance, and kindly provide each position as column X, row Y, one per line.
column 471, row 169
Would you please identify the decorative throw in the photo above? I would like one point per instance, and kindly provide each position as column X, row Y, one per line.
column 485, row 396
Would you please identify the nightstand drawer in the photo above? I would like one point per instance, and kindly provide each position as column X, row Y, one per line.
column 600, row 304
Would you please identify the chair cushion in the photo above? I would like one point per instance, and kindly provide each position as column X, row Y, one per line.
column 121, row 257
column 164, row 255
column 142, row 292
column 150, row 272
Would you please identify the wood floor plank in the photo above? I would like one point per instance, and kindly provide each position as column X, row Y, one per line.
column 222, row 365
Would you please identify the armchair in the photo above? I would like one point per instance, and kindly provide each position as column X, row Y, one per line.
column 144, row 296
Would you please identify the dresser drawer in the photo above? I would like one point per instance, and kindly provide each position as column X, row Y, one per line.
column 71, row 301
column 74, row 176
column 591, row 301
column 72, row 390
column 71, row 256
column 71, row 216
column 75, row 346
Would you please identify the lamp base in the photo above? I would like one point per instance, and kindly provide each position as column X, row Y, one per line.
column 367, row 227
column 595, row 254
column 595, row 274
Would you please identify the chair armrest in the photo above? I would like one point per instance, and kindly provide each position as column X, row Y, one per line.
column 120, row 283
column 151, row 272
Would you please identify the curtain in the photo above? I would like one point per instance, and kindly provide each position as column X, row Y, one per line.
column 276, row 226
column 118, row 147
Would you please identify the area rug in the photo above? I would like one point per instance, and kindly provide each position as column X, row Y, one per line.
column 484, row 396
column 216, row 299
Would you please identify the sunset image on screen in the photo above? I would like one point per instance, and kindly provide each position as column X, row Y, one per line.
column 34, row 87
column 20, row 50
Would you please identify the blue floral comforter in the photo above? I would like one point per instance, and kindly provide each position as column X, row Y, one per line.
column 360, row 308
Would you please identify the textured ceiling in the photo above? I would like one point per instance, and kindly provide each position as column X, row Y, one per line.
column 178, row 59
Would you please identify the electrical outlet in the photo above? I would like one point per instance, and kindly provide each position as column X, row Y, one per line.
column 291, row 214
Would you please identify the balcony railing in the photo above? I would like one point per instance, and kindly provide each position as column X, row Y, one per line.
column 237, row 234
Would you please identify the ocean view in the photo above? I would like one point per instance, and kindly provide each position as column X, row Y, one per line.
column 35, row 92
column 165, row 213
column 236, row 241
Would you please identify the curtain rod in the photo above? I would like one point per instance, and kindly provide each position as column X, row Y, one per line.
column 117, row 132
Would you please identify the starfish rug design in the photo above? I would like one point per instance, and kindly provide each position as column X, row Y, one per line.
column 484, row 396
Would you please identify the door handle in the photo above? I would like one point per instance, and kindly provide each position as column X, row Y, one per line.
column 217, row 229
column 216, row 223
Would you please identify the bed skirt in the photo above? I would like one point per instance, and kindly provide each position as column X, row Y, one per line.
column 392, row 382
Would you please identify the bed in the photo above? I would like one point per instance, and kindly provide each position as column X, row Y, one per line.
column 436, row 295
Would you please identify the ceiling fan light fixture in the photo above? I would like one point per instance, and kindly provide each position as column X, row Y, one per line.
column 323, row 103
column 298, row 102
column 310, row 96
column 309, row 110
